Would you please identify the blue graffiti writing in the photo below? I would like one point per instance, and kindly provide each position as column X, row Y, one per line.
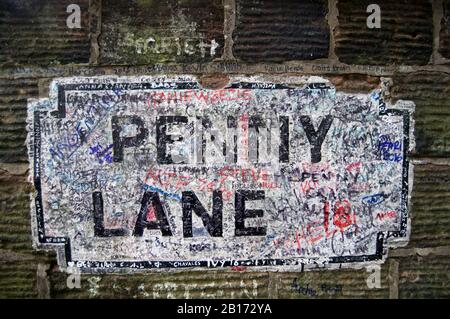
column 374, row 199
column 103, row 155
column 390, row 150
column 163, row 192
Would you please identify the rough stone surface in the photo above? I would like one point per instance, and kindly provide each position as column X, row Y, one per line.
column 355, row 83
column 35, row 32
column 280, row 31
column 18, row 279
column 444, row 44
column 140, row 32
column 431, row 206
column 405, row 36
column 182, row 285
column 430, row 91
column 14, row 225
column 13, row 109
column 424, row 277
column 338, row 284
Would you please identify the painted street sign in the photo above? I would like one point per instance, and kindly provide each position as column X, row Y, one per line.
column 159, row 172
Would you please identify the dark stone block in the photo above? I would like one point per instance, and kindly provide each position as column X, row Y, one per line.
column 279, row 31
column 13, row 113
column 145, row 32
column 405, row 36
column 430, row 91
column 34, row 32
column 444, row 44
column 430, row 206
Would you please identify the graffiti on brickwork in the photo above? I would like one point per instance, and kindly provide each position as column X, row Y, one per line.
column 159, row 172
column 170, row 45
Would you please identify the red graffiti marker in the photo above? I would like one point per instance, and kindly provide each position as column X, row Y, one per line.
column 342, row 217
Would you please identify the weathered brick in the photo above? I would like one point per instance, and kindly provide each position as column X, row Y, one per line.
column 349, row 283
column 211, row 284
column 35, row 32
column 444, row 36
column 17, row 279
column 424, row 277
column 281, row 30
column 141, row 32
column 430, row 91
column 13, row 113
column 15, row 229
column 18, row 259
column 430, row 206
column 355, row 83
column 405, row 36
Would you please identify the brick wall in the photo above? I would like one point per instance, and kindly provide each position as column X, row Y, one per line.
column 210, row 38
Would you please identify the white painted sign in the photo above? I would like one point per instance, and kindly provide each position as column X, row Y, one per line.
column 152, row 173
